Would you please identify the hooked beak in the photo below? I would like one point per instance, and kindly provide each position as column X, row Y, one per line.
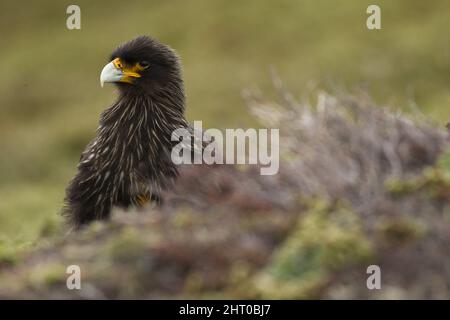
column 116, row 71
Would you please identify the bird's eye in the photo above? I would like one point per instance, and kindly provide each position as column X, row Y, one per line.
column 144, row 64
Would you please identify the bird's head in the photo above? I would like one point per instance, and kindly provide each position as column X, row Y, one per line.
column 143, row 64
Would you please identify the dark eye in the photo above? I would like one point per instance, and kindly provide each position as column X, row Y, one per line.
column 144, row 64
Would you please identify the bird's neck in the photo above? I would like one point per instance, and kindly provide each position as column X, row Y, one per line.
column 160, row 112
column 142, row 124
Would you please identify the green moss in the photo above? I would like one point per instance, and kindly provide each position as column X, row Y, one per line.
column 444, row 160
column 8, row 255
column 12, row 251
column 401, row 230
column 125, row 246
column 183, row 219
column 47, row 274
column 434, row 181
column 328, row 238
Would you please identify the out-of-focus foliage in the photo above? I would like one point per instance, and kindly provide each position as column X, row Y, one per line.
column 357, row 186
column 50, row 98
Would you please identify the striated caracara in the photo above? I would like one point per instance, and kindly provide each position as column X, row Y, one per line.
column 128, row 163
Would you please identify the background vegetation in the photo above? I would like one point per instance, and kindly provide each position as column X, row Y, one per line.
column 50, row 98
column 357, row 186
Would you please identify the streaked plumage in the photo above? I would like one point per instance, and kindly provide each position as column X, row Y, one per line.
column 128, row 162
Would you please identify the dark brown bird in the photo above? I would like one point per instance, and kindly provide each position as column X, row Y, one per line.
column 128, row 163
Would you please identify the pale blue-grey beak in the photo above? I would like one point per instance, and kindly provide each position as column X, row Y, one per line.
column 110, row 74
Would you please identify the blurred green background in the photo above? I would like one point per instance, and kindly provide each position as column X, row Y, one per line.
column 50, row 97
